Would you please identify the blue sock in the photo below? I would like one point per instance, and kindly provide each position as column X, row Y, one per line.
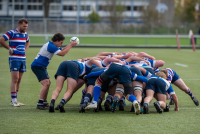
column 87, row 98
column 96, row 92
column 132, row 98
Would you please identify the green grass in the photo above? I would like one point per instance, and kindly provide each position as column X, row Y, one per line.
column 120, row 41
column 27, row 119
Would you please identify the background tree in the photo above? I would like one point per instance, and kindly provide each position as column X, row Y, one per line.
column 94, row 18
column 46, row 8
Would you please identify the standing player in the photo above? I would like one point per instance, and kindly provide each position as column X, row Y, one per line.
column 18, row 45
column 41, row 62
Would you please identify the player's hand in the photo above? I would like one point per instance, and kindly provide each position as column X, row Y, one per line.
column 11, row 51
column 148, row 63
column 176, row 109
column 73, row 44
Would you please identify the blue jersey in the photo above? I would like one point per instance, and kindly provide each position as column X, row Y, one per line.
column 17, row 42
column 45, row 54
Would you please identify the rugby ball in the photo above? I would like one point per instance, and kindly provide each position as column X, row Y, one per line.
column 74, row 39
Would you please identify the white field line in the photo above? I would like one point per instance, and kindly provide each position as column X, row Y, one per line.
column 24, row 107
column 181, row 65
column 191, row 79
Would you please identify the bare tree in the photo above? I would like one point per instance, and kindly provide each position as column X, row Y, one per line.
column 46, row 8
column 115, row 10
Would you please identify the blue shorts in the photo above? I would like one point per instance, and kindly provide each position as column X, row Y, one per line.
column 157, row 85
column 68, row 69
column 16, row 65
column 91, row 81
column 121, row 72
column 40, row 72
column 175, row 77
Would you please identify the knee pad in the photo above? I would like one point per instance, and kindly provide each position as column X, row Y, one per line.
column 127, row 88
column 119, row 89
column 137, row 88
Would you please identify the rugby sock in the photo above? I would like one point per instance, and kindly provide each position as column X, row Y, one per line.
column 159, row 103
column 100, row 100
column 123, row 98
column 83, row 93
column 190, row 93
column 63, row 101
column 96, row 92
column 53, row 101
column 16, row 93
column 14, row 96
column 109, row 98
column 132, row 98
column 40, row 102
column 146, row 103
column 87, row 98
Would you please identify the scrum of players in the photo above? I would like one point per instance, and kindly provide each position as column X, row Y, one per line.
column 132, row 76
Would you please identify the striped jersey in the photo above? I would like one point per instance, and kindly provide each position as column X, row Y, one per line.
column 17, row 42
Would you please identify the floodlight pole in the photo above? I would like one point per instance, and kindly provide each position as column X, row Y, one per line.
column 13, row 8
column 78, row 17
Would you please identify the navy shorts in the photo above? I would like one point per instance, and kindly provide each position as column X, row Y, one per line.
column 68, row 69
column 158, row 86
column 16, row 65
column 119, row 71
column 175, row 77
column 91, row 81
column 40, row 72
column 136, row 71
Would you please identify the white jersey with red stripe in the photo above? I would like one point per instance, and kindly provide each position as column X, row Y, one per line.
column 170, row 73
column 17, row 42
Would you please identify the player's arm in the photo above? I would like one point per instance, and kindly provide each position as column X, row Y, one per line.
column 175, row 99
column 130, row 59
column 27, row 45
column 143, row 54
column 66, row 49
column 105, row 53
column 93, row 61
column 5, row 45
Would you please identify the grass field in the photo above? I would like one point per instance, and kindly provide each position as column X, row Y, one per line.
column 27, row 119
column 120, row 41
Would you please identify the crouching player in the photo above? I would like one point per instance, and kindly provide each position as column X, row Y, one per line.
column 124, row 76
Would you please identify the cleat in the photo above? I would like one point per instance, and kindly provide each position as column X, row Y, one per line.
column 196, row 102
column 136, row 106
column 100, row 107
column 92, row 106
column 107, row 106
column 141, row 110
column 57, row 107
column 82, row 110
column 82, row 101
column 132, row 109
column 171, row 102
column 51, row 108
column 61, row 108
column 121, row 105
column 46, row 104
column 21, row 104
column 15, row 104
column 158, row 108
column 167, row 108
column 114, row 105
column 42, row 107
column 145, row 108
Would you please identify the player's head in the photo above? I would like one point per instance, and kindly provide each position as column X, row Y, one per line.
column 58, row 39
column 22, row 25
column 162, row 73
